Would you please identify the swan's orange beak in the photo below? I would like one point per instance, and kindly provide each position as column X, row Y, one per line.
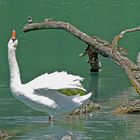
column 13, row 35
column 14, row 38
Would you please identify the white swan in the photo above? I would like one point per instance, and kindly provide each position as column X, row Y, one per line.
column 41, row 93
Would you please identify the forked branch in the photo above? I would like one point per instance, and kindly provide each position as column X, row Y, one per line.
column 121, row 35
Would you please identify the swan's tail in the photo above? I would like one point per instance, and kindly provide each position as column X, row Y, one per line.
column 82, row 99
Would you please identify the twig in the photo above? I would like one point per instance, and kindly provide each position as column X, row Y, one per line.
column 121, row 35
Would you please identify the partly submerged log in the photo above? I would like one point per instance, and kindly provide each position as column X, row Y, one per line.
column 131, row 106
column 104, row 48
column 93, row 58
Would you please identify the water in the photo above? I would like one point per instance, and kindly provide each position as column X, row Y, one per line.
column 54, row 50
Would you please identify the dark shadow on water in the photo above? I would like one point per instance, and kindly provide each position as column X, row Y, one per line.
column 94, row 85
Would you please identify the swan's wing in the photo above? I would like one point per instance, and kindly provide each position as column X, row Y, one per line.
column 64, row 103
column 56, row 80
column 62, row 100
column 54, row 95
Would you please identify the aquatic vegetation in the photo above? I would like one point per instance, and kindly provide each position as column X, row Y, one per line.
column 72, row 92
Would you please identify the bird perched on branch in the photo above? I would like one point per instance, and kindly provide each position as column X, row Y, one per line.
column 30, row 19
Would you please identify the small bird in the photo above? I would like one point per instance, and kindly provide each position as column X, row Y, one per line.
column 30, row 19
column 42, row 93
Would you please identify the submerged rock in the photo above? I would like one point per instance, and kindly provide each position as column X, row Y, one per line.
column 3, row 135
column 131, row 106
column 86, row 108
column 68, row 136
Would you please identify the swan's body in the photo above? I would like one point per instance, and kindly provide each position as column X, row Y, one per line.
column 41, row 93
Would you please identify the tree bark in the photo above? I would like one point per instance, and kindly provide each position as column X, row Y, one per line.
column 104, row 48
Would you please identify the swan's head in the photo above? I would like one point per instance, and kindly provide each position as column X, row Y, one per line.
column 13, row 42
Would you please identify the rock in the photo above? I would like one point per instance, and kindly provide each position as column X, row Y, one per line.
column 86, row 108
column 131, row 106
column 3, row 135
column 68, row 136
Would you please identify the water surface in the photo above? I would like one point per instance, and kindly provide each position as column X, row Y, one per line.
column 54, row 50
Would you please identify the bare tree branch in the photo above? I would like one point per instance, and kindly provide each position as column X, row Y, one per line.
column 121, row 35
column 103, row 47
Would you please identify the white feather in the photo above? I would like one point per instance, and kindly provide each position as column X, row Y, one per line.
column 57, row 80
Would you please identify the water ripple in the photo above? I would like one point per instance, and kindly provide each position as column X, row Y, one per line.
column 3, row 2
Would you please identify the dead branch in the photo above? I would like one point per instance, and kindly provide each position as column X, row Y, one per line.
column 121, row 35
column 103, row 47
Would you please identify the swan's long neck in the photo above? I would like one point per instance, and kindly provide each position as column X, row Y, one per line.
column 14, row 69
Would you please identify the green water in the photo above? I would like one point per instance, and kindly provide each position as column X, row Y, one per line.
column 54, row 50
